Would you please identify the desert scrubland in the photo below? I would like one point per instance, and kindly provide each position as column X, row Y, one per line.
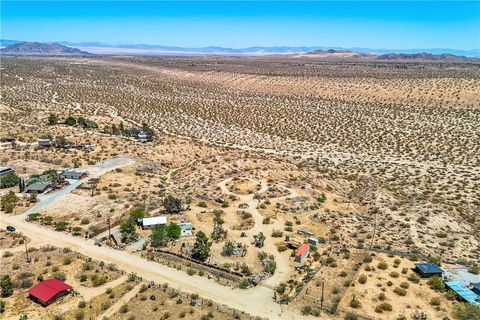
column 379, row 161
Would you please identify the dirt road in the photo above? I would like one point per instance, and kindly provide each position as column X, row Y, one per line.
column 256, row 301
column 97, row 170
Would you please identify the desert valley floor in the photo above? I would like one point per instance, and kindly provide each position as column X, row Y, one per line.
column 375, row 166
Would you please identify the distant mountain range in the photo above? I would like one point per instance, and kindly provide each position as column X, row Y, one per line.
column 84, row 48
column 417, row 57
column 37, row 48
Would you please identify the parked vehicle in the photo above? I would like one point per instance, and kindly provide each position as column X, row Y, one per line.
column 11, row 228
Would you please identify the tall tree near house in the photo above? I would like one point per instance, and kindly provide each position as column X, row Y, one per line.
column 52, row 119
column 174, row 231
column 70, row 121
column 136, row 214
column 6, row 286
column 60, row 141
column 201, row 248
column 172, row 204
column 159, row 236
column 128, row 231
column 8, row 202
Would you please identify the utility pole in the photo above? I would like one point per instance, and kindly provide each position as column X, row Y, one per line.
column 321, row 300
column 109, row 231
column 26, row 252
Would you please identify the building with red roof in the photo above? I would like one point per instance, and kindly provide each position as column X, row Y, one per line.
column 302, row 252
column 48, row 291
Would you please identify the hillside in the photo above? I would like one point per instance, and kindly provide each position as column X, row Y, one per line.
column 37, row 48
column 423, row 56
column 413, row 57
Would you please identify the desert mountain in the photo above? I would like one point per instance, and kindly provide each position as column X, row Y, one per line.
column 423, row 56
column 37, row 48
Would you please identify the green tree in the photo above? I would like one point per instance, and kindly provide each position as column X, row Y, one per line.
column 436, row 283
column 8, row 202
column 128, row 231
column 228, row 249
column 70, row 121
column 52, row 119
column 174, row 231
column 33, row 197
column 467, row 311
column 60, row 141
column 9, row 180
column 136, row 214
column 201, row 248
column 172, row 204
column 159, row 236
column 2, row 306
column 6, row 286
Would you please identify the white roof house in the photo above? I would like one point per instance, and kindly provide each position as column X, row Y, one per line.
column 153, row 221
column 186, row 228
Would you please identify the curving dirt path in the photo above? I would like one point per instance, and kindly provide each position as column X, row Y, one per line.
column 283, row 267
column 256, row 301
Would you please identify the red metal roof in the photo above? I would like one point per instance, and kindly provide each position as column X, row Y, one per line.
column 304, row 247
column 48, row 289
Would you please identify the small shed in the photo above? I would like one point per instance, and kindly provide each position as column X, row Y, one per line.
column 313, row 241
column 186, row 228
column 143, row 137
column 48, row 291
column 428, row 269
column 302, row 252
column 44, row 143
column 148, row 223
column 73, row 174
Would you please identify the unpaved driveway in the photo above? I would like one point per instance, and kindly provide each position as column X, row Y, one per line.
column 97, row 170
column 256, row 301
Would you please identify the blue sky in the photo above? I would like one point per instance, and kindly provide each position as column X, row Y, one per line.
column 378, row 24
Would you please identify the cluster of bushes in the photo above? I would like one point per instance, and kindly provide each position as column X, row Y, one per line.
column 9, row 180
column 8, row 202
column 71, row 121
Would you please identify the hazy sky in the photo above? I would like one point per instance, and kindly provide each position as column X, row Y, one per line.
column 378, row 24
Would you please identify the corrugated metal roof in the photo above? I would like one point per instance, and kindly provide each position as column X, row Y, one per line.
column 48, row 289
column 428, row 267
column 154, row 221
column 304, row 247
column 464, row 292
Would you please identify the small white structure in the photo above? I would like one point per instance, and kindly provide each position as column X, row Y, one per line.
column 148, row 223
column 313, row 241
column 143, row 137
column 186, row 228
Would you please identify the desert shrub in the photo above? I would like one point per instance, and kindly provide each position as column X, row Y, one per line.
column 277, row 233
column 436, row 283
column 382, row 265
column 435, row 301
column 466, row 311
column 124, row 308
column 355, row 304
column 400, row 291
column 413, row 277
column 362, row 279
column 385, row 306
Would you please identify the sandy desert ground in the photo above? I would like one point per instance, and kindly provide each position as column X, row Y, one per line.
column 371, row 158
